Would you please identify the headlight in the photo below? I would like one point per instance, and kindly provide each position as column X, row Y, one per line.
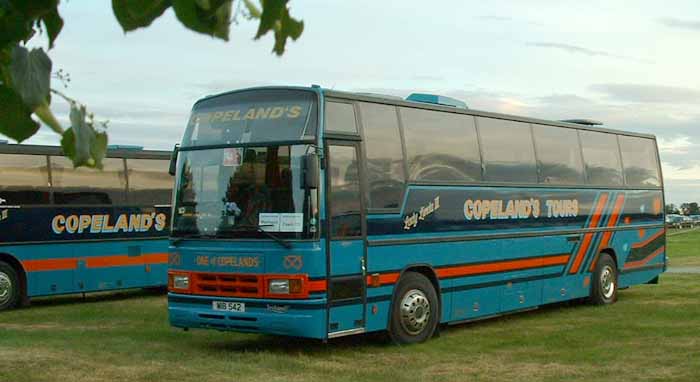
column 277, row 286
column 180, row 281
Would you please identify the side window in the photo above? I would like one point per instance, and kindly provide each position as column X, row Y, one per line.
column 24, row 179
column 345, row 192
column 149, row 182
column 558, row 155
column 602, row 158
column 385, row 166
column 640, row 161
column 440, row 146
column 340, row 117
column 88, row 186
column 508, row 152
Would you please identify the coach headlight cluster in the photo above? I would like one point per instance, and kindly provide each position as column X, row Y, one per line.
column 179, row 282
column 278, row 286
column 284, row 286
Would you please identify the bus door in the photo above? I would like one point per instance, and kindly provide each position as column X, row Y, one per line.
column 346, row 239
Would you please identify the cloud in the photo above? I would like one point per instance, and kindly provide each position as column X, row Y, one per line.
column 506, row 19
column 581, row 50
column 648, row 93
column 676, row 145
column 678, row 23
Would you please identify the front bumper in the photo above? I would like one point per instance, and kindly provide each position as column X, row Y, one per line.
column 297, row 318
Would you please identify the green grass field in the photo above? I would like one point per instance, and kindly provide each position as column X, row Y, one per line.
column 652, row 333
column 684, row 247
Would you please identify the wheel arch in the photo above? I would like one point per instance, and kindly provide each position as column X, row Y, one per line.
column 425, row 270
column 21, row 273
column 611, row 252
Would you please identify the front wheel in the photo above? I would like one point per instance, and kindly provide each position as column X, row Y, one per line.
column 9, row 286
column 414, row 310
column 604, row 284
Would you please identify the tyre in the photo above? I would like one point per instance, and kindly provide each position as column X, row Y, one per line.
column 9, row 287
column 604, row 283
column 414, row 310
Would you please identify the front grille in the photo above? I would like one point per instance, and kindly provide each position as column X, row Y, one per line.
column 227, row 284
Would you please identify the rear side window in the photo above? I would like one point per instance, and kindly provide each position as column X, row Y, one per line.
column 340, row 117
column 385, row 165
column 441, row 146
column 149, row 182
column 507, row 151
column 82, row 185
column 24, row 179
column 558, row 155
column 640, row 161
column 602, row 158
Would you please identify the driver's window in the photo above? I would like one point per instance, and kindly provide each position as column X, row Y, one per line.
column 344, row 192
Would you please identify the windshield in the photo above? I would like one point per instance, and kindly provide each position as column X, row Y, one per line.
column 229, row 192
column 266, row 115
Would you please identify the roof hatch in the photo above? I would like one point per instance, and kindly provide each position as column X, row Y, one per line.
column 436, row 100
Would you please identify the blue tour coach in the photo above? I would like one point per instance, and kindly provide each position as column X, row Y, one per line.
column 66, row 230
column 318, row 213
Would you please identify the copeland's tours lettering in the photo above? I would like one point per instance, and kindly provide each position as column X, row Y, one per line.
column 519, row 209
column 105, row 223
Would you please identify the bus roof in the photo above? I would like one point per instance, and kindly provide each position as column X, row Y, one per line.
column 56, row 150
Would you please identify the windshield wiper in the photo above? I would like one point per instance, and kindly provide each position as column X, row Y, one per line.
column 259, row 228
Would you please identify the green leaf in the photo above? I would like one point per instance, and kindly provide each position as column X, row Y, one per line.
column 134, row 14
column 288, row 27
column 211, row 17
column 14, row 26
column 31, row 75
column 275, row 16
column 271, row 13
column 253, row 10
column 15, row 118
column 53, row 23
column 45, row 115
column 81, row 142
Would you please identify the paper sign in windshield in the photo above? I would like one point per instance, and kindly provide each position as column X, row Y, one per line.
column 269, row 222
column 285, row 222
column 292, row 222
column 232, row 156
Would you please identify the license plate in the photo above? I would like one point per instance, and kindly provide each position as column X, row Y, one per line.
column 226, row 306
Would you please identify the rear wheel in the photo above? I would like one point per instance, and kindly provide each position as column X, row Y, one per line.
column 9, row 286
column 414, row 310
column 604, row 284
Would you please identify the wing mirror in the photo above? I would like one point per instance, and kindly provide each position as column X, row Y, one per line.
column 173, row 160
column 311, row 171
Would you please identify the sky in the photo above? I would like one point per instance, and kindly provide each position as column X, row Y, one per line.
column 632, row 67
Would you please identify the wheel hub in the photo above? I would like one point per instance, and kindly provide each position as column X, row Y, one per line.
column 607, row 282
column 5, row 287
column 415, row 312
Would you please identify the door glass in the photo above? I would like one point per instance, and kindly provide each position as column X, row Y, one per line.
column 344, row 192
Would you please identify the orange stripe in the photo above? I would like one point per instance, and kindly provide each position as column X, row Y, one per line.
column 386, row 278
column 317, row 286
column 612, row 223
column 587, row 238
column 49, row 265
column 649, row 240
column 639, row 263
column 502, row 266
column 125, row 260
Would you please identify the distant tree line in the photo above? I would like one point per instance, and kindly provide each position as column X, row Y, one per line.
column 683, row 209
